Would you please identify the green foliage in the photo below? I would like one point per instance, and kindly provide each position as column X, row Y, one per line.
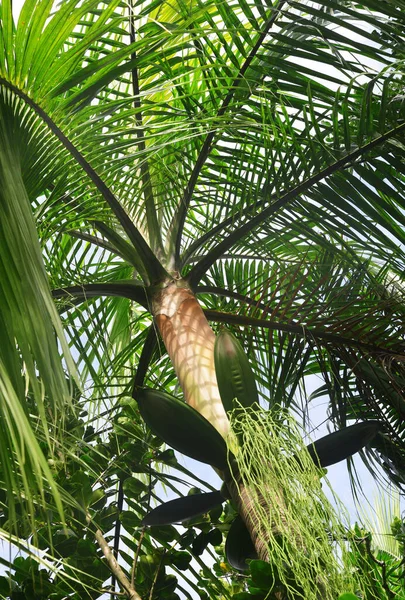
column 301, row 530
column 71, row 562
column 382, row 572
column 254, row 149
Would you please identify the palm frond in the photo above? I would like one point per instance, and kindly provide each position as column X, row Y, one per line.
column 30, row 359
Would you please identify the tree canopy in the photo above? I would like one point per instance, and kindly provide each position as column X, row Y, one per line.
column 251, row 151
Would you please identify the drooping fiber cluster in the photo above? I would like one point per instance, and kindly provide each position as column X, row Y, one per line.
column 302, row 533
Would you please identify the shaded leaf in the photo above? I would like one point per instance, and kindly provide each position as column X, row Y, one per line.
column 342, row 444
column 262, row 574
column 236, row 380
column 239, row 546
column 182, row 427
column 176, row 511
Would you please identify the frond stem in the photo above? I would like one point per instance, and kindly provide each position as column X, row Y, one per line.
column 148, row 349
column 151, row 216
column 117, row 530
column 207, row 145
column 92, row 239
column 296, row 329
column 202, row 267
column 122, row 289
column 114, row 567
column 151, row 264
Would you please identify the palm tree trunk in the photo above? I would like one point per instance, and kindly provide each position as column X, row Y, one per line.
column 245, row 501
column 189, row 341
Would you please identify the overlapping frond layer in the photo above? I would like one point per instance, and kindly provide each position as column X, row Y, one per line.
column 317, row 112
column 35, row 395
column 81, row 185
column 320, row 315
column 236, row 114
column 240, row 141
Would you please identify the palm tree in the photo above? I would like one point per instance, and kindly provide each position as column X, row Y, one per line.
column 168, row 168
